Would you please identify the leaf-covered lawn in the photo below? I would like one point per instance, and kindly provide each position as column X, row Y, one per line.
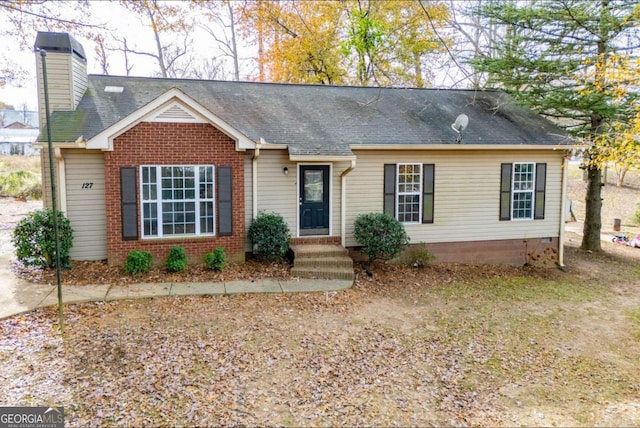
column 445, row 345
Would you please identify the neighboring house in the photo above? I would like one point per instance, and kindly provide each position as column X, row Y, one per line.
column 19, row 141
column 18, row 131
column 18, row 118
column 147, row 164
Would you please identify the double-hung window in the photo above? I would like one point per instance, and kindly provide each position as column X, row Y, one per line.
column 409, row 182
column 522, row 191
column 177, row 200
column 409, row 192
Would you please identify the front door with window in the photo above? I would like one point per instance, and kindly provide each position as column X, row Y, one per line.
column 314, row 200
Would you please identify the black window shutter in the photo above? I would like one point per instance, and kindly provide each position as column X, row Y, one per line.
column 129, row 203
column 505, row 192
column 390, row 189
column 428, row 178
column 225, row 208
column 541, row 184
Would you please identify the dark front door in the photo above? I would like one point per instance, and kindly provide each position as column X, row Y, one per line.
column 314, row 200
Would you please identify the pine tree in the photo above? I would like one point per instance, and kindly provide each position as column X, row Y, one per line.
column 552, row 57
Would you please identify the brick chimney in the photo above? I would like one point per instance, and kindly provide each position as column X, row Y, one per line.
column 66, row 72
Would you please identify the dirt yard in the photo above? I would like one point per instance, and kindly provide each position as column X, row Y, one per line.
column 444, row 345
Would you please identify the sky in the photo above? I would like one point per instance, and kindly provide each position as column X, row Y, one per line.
column 19, row 93
column 124, row 25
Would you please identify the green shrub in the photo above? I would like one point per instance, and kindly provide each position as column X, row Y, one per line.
column 381, row 236
column 269, row 235
column 138, row 262
column 417, row 256
column 20, row 184
column 217, row 259
column 34, row 239
column 176, row 260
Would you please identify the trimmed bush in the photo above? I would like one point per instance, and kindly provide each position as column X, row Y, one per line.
column 269, row 235
column 176, row 260
column 217, row 259
column 381, row 236
column 138, row 262
column 34, row 239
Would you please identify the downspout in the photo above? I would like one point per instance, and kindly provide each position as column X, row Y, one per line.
column 563, row 210
column 254, row 179
column 62, row 180
column 343, row 203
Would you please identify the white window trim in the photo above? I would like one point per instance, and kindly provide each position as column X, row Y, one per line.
column 159, row 201
column 532, row 191
column 419, row 192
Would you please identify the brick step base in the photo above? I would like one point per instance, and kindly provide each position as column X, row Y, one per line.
column 323, row 261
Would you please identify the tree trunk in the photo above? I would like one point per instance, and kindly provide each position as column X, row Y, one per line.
column 418, row 69
column 261, row 59
column 593, row 199
column 592, row 220
column 234, row 45
column 620, row 176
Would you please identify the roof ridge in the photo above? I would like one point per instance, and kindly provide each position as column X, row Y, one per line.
column 288, row 84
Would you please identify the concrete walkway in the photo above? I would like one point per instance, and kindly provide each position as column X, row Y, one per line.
column 18, row 296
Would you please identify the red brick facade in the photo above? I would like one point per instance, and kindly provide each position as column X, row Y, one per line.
column 533, row 251
column 172, row 144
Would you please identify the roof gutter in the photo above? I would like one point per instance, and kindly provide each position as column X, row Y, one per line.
column 80, row 143
column 343, row 203
column 322, row 158
column 461, row 147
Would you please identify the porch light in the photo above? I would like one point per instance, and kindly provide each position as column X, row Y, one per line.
column 285, row 170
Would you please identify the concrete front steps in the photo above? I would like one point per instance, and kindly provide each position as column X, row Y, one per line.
column 322, row 261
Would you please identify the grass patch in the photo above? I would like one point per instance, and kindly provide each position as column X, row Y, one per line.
column 634, row 316
column 520, row 289
column 509, row 346
column 530, row 338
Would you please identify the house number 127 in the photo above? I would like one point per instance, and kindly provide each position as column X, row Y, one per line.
column 87, row 185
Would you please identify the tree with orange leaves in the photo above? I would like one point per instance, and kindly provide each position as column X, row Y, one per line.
column 355, row 42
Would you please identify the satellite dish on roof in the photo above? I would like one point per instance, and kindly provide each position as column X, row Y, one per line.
column 460, row 125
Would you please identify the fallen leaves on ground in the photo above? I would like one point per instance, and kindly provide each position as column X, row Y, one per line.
column 99, row 272
column 419, row 347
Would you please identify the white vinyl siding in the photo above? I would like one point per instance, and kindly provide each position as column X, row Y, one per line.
column 466, row 194
column 278, row 192
column 46, row 177
column 85, row 204
column 67, row 79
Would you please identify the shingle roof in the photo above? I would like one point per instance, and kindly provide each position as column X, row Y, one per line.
column 323, row 120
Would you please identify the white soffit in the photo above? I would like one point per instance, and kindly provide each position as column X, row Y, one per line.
column 175, row 112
